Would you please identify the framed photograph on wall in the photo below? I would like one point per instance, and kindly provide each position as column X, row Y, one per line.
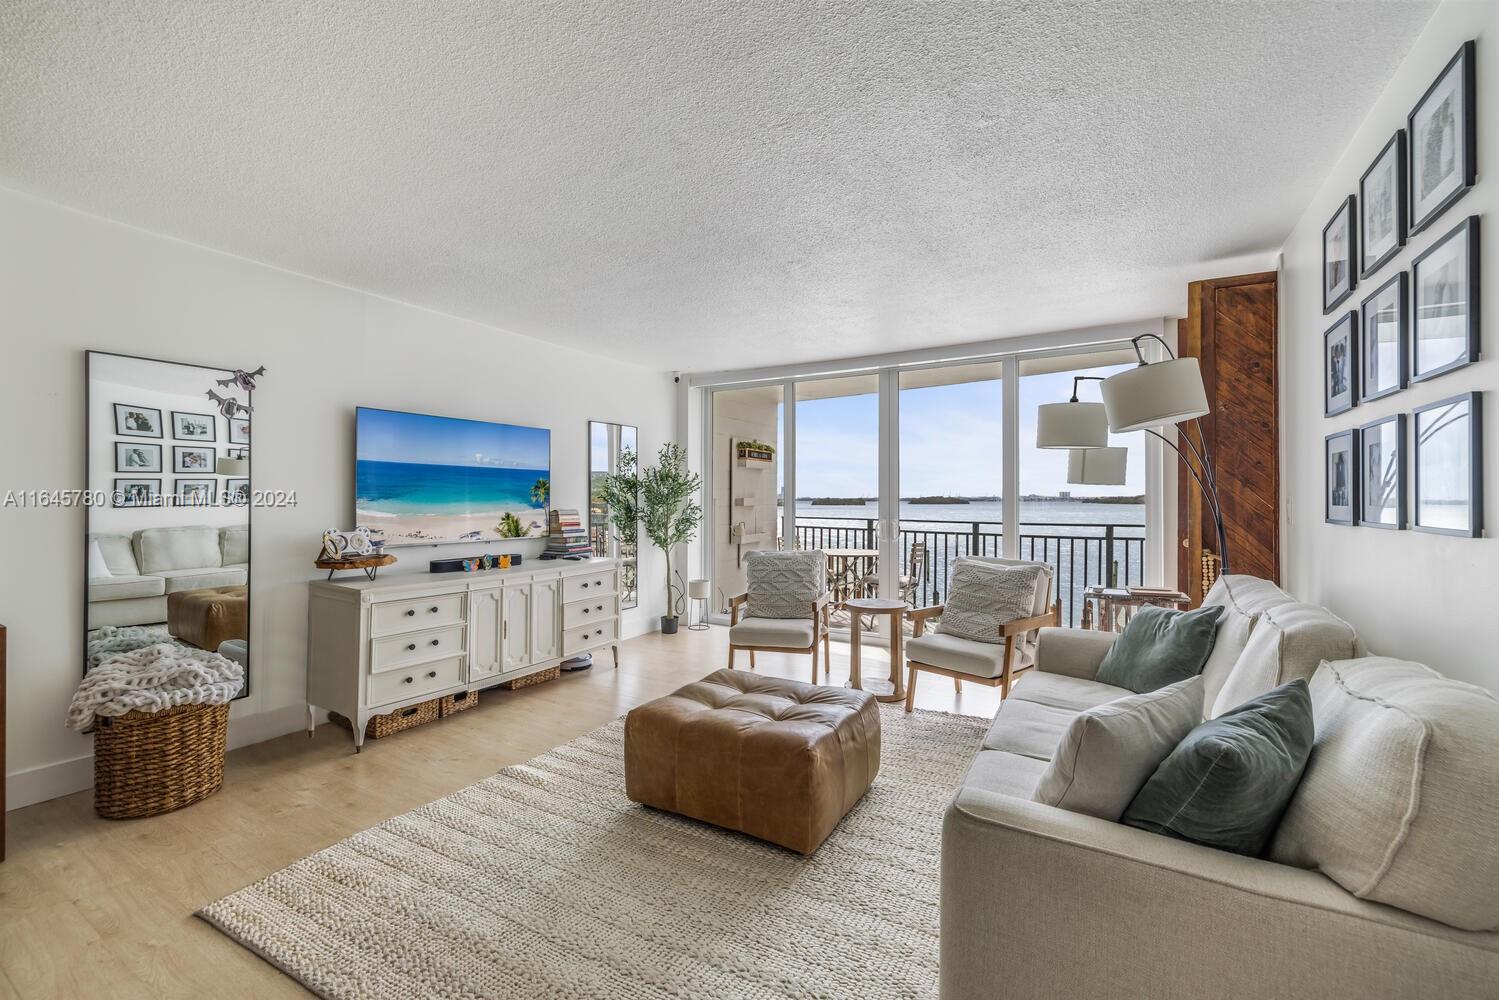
column 194, row 426
column 137, row 421
column 1382, row 347
column 1448, row 460
column 1381, row 463
column 193, row 459
column 196, row 492
column 1444, row 282
column 136, row 493
column 1339, row 255
column 1340, row 365
column 137, row 458
column 1443, row 140
column 237, row 492
column 239, row 430
column 1381, row 199
column 1340, row 501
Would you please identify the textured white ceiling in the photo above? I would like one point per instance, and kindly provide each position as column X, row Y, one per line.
column 707, row 185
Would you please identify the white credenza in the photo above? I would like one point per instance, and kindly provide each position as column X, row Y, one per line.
column 376, row 646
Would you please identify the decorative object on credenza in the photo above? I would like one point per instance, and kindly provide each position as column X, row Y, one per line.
column 1382, row 345
column 566, row 535
column 132, row 457
column 137, row 421
column 1340, row 481
column 1448, row 462
column 1340, row 365
column 1443, row 128
column 1381, row 467
column 475, row 564
column 136, row 493
column 229, row 406
column 242, row 379
column 337, row 544
column 1340, row 255
column 194, row 426
column 193, row 458
column 370, row 564
column 1445, row 280
column 1382, row 202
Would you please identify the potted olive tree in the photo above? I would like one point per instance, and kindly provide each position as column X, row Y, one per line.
column 663, row 500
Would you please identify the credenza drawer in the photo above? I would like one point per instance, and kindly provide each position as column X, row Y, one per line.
column 394, row 651
column 396, row 685
column 584, row 585
column 592, row 610
column 584, row 637
column 417, row 613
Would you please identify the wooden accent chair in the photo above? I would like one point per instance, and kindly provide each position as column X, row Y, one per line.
column 784, row 635
column 993, row 664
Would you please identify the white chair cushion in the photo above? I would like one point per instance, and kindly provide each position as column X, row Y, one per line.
column 1109, row 751
column 1028, row 728
column 1288, row 642
column 1400, row 800
column 1043, row 588
column 784, row 584
column 984, row 597
column 787, row 632
column 1234, row 630
column 1063, row 691
column 951, row 652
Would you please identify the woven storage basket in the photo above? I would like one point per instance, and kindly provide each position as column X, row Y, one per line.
column 540, row 677
column 148, row 763
column 402, row 719
column 454, row 703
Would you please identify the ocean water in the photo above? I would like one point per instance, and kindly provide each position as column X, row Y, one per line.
column 397, row 488
column 1033, row 513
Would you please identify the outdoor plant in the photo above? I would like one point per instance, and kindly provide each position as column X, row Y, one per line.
column 662, row 499
column 769, row 449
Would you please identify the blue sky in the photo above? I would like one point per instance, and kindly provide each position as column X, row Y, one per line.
column 950, row 442
column 391, row 436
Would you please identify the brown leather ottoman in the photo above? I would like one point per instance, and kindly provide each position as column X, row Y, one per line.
column 205, row 618
column 776, row 759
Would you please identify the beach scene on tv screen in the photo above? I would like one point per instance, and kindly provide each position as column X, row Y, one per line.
column 423, row 480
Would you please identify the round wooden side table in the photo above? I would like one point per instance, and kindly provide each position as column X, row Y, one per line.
column 858, row 607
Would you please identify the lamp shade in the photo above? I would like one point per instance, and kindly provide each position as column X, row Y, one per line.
column 1166, row 392
column 697, row 590
column 1097, row 466
column 1071, row 425
column 232, row 467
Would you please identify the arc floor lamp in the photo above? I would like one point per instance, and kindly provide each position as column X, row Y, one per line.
column 1143, row 398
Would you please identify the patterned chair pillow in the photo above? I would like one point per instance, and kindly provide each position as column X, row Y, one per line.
column 982, row 597
column 784, row 584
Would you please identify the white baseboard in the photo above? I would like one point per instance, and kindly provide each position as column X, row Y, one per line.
column 64, row 777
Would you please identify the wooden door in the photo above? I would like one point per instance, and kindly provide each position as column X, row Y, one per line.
column 485, row 619
column 515, row 629
column 546, row 620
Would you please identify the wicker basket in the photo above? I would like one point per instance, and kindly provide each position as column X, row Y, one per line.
column 454, row 703
column 540, row 677
column 402, row 719
column 149, row 763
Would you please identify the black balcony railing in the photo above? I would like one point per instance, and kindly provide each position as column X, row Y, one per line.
column 1084, row 555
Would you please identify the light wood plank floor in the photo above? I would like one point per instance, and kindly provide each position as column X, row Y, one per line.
column 92, row 907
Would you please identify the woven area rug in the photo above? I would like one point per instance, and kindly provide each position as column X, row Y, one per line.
column 545, row 881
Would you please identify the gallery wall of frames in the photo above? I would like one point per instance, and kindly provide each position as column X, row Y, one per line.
column 1421, row 468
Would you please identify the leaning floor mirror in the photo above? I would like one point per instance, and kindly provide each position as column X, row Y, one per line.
column 168, row 535
column 611, row 448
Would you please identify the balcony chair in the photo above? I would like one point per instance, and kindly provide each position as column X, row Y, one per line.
column 993, row 664
column 785, row 609
column 910, row 581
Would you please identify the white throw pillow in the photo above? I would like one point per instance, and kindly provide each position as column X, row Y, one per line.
column 1109, row 751
column 784, row 584
column 982, row 597
column 1234, row 629
column 97, row 567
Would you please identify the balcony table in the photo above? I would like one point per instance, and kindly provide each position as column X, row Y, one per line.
column 845, row 568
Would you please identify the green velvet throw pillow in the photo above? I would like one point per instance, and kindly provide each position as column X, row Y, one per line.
column 1160, row 647
column 1228, row 782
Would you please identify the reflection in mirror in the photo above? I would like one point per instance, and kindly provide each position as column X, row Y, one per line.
column 168, row 544
column 610, row 445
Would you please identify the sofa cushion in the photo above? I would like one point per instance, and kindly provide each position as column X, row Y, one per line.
column 1288, row 642
column 1004, row 773
column 160, row 549
column 1229, row 780
column 118, row 554
column 117, row 588
column 178, row 580
column 97, row 567
column 234, row 545
column 1028, row 728
column 1251, row 595
column 951, row 652
column 1062, row 691
column 984, row 597
column 784, row 584
column 1400, row 800
column 789, row 632
column 1108, row 752
column 1234, row 630
column 1160, row 647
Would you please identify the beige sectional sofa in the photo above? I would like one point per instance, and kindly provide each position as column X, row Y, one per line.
column 1392, row 885
column 146, row 566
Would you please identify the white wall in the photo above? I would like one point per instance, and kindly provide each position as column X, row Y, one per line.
column 1425, row 597
column 70, row 281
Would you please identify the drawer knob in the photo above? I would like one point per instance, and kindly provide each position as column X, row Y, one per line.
column 585, row 583
column 410, row 646
column 587, row 610
column 431, row 673
column 406, row 680
column 434, row 642
column 432, row 610
column 599, row 608
column 411, row 612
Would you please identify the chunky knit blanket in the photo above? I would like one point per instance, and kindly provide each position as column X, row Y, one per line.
column 164, row 675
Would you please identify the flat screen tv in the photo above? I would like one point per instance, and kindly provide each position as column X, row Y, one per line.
column 424, row 480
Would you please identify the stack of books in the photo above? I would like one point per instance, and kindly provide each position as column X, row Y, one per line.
column 568, row 537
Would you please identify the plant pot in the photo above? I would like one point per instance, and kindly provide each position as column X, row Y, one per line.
column 668, row 624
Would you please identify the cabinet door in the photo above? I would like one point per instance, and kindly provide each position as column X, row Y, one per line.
column 546, row 624
column 484, row 633
column 515, row 632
